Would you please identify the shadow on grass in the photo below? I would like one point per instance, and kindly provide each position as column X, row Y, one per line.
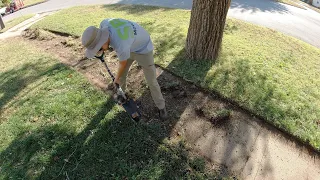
column 262, row 98
column 113, row 147
column 15, row 80
column 110, row 147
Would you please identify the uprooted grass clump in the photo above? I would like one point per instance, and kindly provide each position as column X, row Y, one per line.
column 216, row 115
column 38, row 34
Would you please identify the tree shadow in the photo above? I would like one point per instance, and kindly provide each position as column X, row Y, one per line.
column 15, row 81
column 110, row 147
column 262, row 97
column 113, row 147
column 254, row 6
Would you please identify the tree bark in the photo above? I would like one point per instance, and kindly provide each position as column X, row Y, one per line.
column 2, row 26
column 208, row 18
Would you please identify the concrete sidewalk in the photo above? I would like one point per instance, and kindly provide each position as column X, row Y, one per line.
column 248, row 146
column 17, row 30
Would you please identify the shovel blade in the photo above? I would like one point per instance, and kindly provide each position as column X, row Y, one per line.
column 132, row 109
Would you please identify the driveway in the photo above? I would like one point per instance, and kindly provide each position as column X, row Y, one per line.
column 302, row 24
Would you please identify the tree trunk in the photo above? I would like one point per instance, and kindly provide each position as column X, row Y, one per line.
column 2, row 26
column 205, row 33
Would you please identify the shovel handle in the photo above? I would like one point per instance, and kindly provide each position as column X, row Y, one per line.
column 105, row 64
column 111, row 75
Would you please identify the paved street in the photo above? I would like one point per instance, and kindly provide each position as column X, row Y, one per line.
column 302, row 24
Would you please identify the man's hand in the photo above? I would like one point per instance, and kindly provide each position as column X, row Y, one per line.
column 116, row 84
column 116, row 81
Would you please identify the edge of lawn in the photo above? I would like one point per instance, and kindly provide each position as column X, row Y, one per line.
column 209, row 90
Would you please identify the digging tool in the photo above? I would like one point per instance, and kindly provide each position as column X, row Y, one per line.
column 121, row 98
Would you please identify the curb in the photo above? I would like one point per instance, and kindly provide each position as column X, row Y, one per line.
column 19, row 28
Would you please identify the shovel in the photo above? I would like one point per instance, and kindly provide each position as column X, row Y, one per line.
column 129, row 105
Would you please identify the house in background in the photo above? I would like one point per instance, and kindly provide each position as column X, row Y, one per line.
column 316, row 3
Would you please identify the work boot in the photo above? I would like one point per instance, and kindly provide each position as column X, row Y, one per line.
column 163, row 114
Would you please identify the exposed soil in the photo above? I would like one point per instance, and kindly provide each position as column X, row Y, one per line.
column 177, row 92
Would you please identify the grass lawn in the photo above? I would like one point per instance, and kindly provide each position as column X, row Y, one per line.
column 56, row 125
column 15, row 22
column 271, row 74
column 30, row 2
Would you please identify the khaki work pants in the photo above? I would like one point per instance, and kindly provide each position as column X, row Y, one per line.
column 146, row 61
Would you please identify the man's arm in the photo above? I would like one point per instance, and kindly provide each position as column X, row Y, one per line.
column 121, row 68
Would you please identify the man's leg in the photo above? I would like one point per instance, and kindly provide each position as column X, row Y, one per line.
column 146, row 61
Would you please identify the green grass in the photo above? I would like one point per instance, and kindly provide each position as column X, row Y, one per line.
column 271, row 74
column 15, row 22
column 31, row 2
column 55, row 125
